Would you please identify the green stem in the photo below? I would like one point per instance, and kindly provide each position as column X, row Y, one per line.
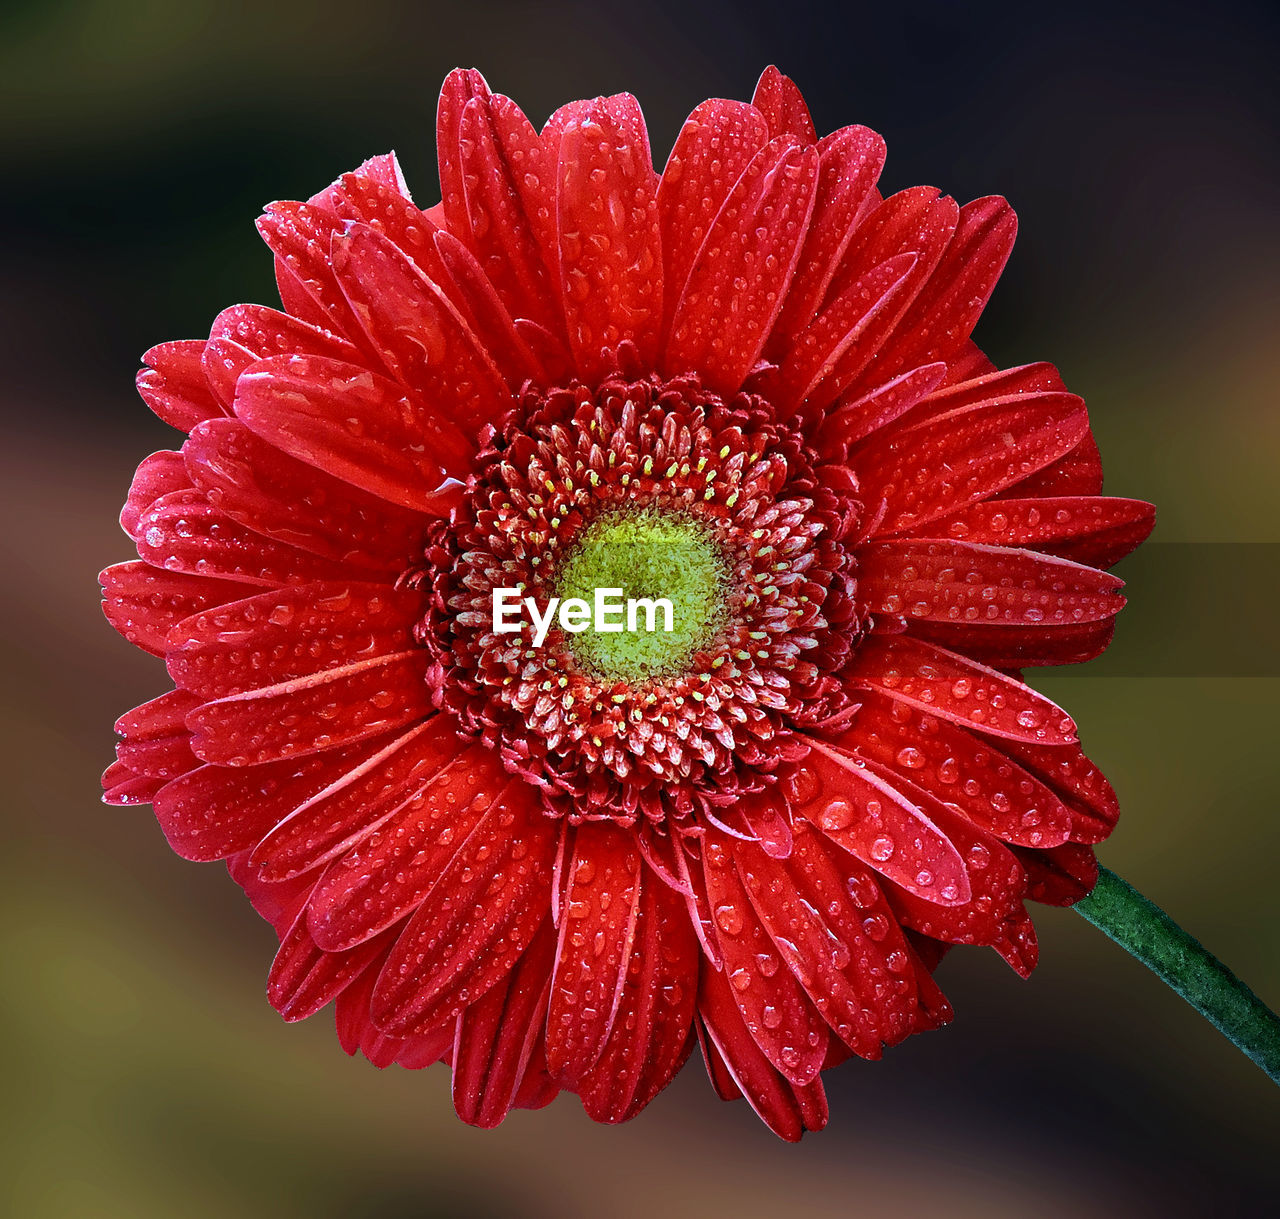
column 1140, row 927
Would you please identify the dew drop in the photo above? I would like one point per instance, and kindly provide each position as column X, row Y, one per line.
column 837, row 815
column 729, row 919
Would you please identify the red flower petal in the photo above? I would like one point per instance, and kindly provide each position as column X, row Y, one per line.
column 392, row 215
column 245, row 334
column 775, row 1009
column 989, row 383
column 121, row 786
column 477, row 920
column 1094, row 529
column 400, row 862
column 1078, row 472
column 183, row 532
column 652, row 1033
column 143, row 602
column 956, row 688
column 1060, row 876
column 351, row 793
column 980, row 779
column 697, row 902
column 382, row 172
column 303, row 979
column 917, row 221
column 353, row 424
column 933, row 468
column 306, row 714
column 969, row 362
column 157, row 475
column 1078, row 781
column 849, row 162
column 610, row 247
column 276, row 495
column 217, row 811
column 173, row 384
column 874, row 822
column 498, row 1036
column 719, row 1075
column 768, row 816
column 300, row 236
column 289, row 633
column 1019, row 947
column 300, row 812
column 158, row 757
column 156, row 742
column 1016, row 647
column 460, row 86
column 420, row 334
column 533, row 157
column 783, row 106
column 358, row 1034
column 597, row 931
column 739, row 279
column 970, row 583
column 943, row 315
column 996, row 880
column 554, row 128
column 486, row 314
column 716, row 144
column 850, row 955
column 815, row 370
column 857, row 418
column 277, row 903
column 538, row 1089
column 787, row 1110
column 508, row 181
column 160, row 717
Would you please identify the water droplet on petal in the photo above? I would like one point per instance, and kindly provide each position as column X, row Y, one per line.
column 729, row 919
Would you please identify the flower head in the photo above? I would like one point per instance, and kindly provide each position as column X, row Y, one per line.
column 745, row 386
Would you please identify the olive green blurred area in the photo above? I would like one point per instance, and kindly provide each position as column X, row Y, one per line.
column 145, row 1074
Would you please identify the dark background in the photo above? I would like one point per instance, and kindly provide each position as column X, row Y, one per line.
column 148, row 1077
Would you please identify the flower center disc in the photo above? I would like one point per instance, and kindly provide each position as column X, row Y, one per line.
column 647, row 555
column 677, row 499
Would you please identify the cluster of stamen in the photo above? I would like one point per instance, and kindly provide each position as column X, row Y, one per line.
column 719, row 502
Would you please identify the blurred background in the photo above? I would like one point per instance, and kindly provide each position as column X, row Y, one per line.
column 148, row 1077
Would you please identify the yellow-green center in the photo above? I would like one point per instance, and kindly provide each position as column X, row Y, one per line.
column 646, row 555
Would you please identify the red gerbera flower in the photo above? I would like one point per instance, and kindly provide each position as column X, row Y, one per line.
column 747, row 384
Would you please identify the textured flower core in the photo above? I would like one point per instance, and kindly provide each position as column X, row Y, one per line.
column 663, row 489
column 647, row 556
